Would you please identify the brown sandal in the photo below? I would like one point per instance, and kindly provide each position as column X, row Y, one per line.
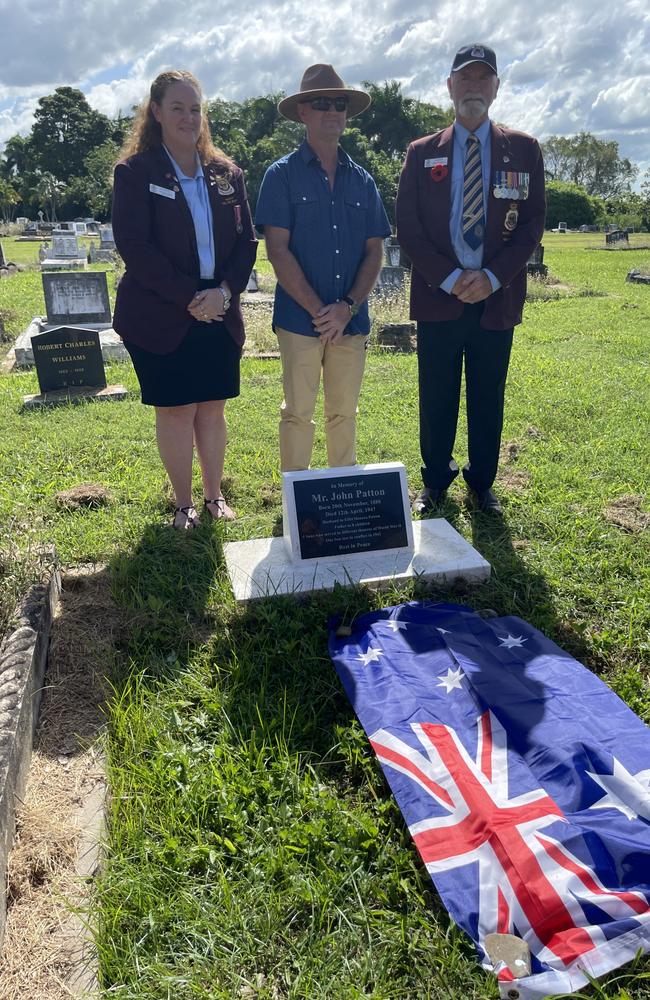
column 224, row 513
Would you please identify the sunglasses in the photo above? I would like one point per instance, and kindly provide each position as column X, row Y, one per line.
column 327, row 103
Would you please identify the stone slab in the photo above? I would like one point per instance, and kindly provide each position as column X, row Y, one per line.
column 23, row 655
column 60, row 397
column 112, row 347
column 262, row 567
column 64, row 264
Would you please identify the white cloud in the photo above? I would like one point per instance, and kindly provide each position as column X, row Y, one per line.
column 564, row 68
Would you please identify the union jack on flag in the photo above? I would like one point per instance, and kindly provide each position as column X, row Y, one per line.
column 521, row 777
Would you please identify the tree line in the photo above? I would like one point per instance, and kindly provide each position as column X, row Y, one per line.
column 64, row 166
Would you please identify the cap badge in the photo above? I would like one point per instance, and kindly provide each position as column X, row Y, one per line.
column 478, row 52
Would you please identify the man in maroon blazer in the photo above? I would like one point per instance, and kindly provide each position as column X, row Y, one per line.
column 470, row 211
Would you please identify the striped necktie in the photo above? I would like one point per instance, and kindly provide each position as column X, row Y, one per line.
column 473, row 214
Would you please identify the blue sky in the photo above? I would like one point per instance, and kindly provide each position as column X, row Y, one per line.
column 564, row 67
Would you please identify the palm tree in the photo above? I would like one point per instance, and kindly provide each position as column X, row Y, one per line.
column 48, row 190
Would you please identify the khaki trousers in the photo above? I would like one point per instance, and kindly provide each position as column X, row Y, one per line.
column 342, row 366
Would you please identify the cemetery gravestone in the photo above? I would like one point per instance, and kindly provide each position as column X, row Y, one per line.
column 106, row 238
column 65, row 246
column 252, row 285
column 390, row 281
column 69, row 366
column 616, row 236
column 68, row 357
column 3, row 261
column 348, row 526
column 332, row 514
column 104, row 253
column 536, row 266
column 77, row 298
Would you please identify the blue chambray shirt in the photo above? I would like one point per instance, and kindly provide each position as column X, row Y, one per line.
column 196, row 196
column 468, row 257
column 329, row 229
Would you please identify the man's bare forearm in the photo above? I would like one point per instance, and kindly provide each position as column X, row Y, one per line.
column 290, row 275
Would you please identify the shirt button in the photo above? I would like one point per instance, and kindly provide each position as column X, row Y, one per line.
column 334, row 227
column 338, row 275
column 337, row 251
column 358, row 204
column 304, row 197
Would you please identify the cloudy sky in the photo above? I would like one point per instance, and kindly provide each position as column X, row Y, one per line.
column 564, row 66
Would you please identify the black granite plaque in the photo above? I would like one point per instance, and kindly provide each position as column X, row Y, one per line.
column 362, row 512
column 68, row 358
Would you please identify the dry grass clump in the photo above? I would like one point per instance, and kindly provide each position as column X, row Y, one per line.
column 627, row 512
column 91, row 495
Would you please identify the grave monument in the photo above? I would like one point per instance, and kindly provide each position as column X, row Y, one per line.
column 73, row 299
column 69, row 367
column 348, row 526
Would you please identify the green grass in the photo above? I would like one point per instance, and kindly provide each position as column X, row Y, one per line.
column 253, row 848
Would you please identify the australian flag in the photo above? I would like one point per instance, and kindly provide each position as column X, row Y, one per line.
column 524, row 781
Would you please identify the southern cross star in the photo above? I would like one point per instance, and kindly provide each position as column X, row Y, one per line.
column 629, row 793
column 396, row 624
column 453, row 680
column 512, row 640
column 443, row 631
column 371, row 656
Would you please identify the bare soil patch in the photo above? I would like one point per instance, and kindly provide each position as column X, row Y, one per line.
column 627, row 512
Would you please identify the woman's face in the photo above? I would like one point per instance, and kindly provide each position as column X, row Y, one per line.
column 179, row 116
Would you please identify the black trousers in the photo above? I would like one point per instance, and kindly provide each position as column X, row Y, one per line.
column 441, row 350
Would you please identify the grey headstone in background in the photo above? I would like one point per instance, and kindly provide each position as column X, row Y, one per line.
column 67, row 358
column 106, row 239
column 79, row 228
column 392, row 251
column 65, row 247
column 617, row 236
column 44, row 251
column 76, row 298
column 390, row 280
column 252, row 285
column 536, row 266
column 3, row 260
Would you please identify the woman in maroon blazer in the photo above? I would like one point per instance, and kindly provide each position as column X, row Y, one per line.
column 183, row 226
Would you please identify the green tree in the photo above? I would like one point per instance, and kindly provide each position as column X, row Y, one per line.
column 97, row 181
column 66, row 129
column 9, row 198
column 571, row 204
column 588, row 162
column 393, row 121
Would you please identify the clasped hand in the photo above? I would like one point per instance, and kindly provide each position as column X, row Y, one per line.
column 472, row 286
column 330, row 322
column 208, row 305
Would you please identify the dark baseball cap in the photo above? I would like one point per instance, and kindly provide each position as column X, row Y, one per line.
column 476, row 52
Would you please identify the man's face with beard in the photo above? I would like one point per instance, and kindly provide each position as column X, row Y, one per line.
column 472, row 90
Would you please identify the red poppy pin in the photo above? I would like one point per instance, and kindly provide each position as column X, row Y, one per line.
column 438, row 172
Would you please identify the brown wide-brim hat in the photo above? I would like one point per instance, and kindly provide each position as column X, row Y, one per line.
column 322, row 80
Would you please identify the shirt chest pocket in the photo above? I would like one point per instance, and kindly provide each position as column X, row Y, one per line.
column 304, row 210
column 356, row 210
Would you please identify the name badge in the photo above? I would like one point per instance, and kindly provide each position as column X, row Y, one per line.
column 165, row 192
column 510, row 184
column 442, row 160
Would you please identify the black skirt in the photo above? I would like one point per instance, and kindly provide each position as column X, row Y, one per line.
column 205, row 366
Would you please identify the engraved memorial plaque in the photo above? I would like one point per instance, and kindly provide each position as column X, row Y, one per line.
column 68, row 358
column 76, row 298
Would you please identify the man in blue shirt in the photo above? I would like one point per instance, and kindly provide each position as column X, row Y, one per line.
column 323, row 222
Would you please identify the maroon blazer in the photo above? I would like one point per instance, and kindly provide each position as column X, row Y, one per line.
column 423, row 209
column 155, row 236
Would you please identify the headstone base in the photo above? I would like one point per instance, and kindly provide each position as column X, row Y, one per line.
column 262, row 567
column 112, row 347
column 61, row 264
column 80, row 393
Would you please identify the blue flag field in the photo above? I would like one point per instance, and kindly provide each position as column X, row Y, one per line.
column 524, row 781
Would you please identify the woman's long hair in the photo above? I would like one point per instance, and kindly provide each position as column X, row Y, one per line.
column 146, row 132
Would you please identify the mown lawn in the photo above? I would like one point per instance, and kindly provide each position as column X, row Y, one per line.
column 253, row 848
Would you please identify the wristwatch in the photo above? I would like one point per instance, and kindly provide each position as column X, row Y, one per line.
column 226, row 296
column 352, row 305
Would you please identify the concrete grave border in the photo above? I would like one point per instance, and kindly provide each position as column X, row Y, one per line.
column 23, row 655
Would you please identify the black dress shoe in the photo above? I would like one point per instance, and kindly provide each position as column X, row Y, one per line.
column 486, row 501
column 427, row 501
